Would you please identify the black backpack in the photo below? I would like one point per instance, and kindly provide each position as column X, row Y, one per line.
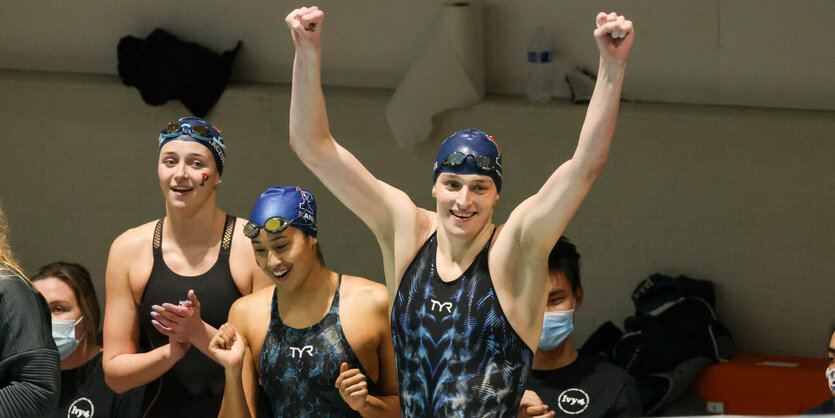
column 672, row 337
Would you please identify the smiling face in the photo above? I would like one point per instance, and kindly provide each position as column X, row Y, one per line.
column 288, row 256
column 464, row 202
column 183, row 165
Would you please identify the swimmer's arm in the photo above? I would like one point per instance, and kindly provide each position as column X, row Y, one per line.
column 381, row 406
column 124, row 368
column 241, row 390
column 537, row 223
column 544, row 216
column 240, row 393
column 379, row 205
column 387, row 402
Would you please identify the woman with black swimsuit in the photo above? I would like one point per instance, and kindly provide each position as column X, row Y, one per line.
column 156, row 271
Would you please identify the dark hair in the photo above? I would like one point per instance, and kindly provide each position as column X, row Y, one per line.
column 564, row 258
column 78, row 279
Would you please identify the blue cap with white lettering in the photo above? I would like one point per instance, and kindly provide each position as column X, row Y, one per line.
column 292, row 203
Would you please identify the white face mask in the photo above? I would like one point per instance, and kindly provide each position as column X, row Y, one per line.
column 556, row 327
column 830, row 377
column 63, row 332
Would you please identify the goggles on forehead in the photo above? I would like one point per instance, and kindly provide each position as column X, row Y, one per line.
column 455, row 159
column 274, row 225
column 199, row 132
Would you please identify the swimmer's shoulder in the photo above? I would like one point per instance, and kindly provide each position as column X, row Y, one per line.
column 254, row 305
column 135, row 241
column 365, row 293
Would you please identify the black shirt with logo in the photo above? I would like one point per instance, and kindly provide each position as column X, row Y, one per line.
column 827, row 407
column 588, row 387
column 84, row 394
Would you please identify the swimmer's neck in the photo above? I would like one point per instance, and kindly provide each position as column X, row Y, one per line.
column 320, row 283
column 194, row 226
column 462, row 250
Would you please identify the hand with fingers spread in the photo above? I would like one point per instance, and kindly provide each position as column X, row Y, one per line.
column 305, row 25
column 614, row 36
column 533, row 407
column 227, row 347
column 178, row 322
column 352, row 387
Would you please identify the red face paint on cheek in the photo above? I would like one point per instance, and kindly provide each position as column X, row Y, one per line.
column 205, row 177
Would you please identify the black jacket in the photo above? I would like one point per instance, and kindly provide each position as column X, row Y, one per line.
column 30, row 368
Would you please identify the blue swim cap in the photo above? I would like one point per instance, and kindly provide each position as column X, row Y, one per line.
column 294, row 204
column 472, row 144
column 185, row 126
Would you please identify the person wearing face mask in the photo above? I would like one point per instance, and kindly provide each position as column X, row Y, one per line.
column 564, row 381
column 69, row 292
column 828, row 406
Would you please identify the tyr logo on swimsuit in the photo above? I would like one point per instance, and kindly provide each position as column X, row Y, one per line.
column 440, row 306
column 306, row 349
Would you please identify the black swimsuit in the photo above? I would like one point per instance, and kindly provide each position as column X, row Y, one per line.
column 456, row 353
column 194, row 385
column 300, row 366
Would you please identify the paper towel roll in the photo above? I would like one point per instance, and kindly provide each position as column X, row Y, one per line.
column 447, row 73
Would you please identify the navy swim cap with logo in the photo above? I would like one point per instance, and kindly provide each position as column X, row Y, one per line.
column 291, row 203
column 470, row 151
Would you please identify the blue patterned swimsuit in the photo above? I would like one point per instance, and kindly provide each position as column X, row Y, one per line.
column 300, row 366
column 456, row 353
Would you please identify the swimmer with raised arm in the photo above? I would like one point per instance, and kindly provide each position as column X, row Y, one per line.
column 467, row 298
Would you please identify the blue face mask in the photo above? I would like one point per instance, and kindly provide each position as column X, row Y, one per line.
column 63, row 332
column 558, row 325
column 830, row 377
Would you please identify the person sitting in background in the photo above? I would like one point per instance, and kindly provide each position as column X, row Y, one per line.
column 29, row 374
column 564, row 380
column 76, row 316
column 828, row 406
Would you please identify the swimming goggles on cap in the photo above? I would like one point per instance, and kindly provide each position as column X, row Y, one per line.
column 274, row 225
column 200, row 132
column 456, row 158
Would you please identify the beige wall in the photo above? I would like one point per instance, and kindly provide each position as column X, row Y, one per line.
column 740, row 196
column 762, row 53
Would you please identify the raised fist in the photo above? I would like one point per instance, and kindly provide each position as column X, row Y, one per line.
column 305, row 25
column 614, row 36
